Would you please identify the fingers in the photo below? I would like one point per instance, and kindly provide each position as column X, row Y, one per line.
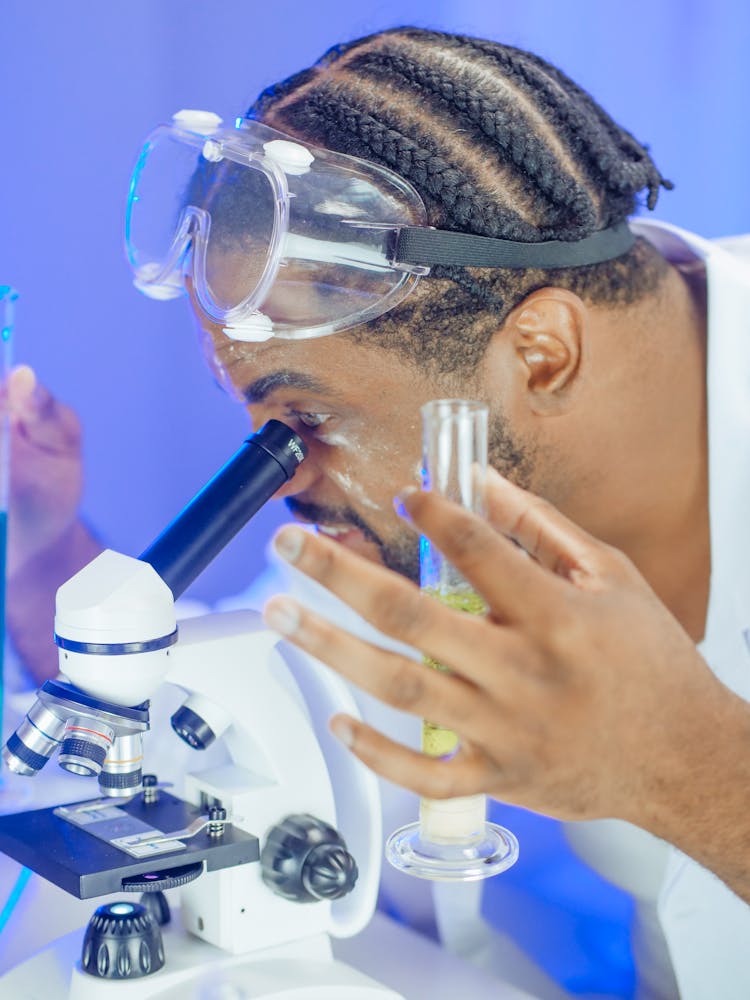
column 38, row 418
column 398, row 608
column 515, row 587
column 406, row 684
column 24, row 392
column 539, row 528
column 468, row 773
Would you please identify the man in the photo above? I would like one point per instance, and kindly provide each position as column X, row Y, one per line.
column 582, row 694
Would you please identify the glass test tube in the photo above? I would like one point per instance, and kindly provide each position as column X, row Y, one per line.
column 452, row 840
column 8, row 298
column 454, row 451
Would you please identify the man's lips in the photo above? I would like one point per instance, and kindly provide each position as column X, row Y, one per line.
column 336, row 530
column 351, row 538
column 344, row 533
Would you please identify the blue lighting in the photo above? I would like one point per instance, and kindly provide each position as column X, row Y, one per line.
column 15, row 895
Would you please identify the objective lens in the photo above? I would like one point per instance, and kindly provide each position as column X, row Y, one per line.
column 86, row 743
column 34, row 741
column 122, row 772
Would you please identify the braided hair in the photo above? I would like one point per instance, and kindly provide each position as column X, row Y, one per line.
column 498, row 143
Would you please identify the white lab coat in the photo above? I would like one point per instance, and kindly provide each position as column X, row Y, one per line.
column 707, row 927
column 689, row 927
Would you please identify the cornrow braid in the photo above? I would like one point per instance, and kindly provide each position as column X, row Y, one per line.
column 541, row 77
column 528, row 153
column 628, row 175
column 457, row 200
column 497, row 142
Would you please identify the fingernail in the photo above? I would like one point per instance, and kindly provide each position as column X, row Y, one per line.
column 21, row 383
column 401, row 499
column 282, row 615
column 288, row 543
column 343, row 731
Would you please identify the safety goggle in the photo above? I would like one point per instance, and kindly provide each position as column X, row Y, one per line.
column 278, row 238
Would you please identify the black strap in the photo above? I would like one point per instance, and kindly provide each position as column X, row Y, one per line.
column 416, row 245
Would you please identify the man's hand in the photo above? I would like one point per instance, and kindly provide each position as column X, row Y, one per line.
column 579, row 695
column 46, row 470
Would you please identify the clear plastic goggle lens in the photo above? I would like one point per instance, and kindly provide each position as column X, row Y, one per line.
column 280, row 239
column 188, row 211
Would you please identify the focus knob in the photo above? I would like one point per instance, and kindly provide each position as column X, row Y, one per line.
column 122, row 941
column 305, row 859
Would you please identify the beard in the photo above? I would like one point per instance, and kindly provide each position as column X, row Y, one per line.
column 399, row 553
column 511, row 457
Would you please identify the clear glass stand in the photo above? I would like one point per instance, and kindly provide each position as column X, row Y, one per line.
column 452, row 841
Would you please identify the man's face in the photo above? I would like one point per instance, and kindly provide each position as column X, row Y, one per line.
column 357, row 409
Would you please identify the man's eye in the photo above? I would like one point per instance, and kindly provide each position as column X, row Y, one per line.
column 311, row 419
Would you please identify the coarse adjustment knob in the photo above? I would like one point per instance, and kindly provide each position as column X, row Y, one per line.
column 305, row 859
column 122, row 941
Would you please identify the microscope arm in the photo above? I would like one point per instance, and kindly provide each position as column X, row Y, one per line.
column 271, row 704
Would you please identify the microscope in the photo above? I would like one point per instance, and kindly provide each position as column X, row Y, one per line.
column 274, row 850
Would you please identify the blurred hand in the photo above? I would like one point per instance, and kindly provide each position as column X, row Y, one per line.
column 46, row 467
column 579, row 695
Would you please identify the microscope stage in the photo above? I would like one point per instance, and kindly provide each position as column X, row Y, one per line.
column 86, row 864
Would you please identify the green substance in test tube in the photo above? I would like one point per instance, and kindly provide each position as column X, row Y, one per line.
column 437, row 741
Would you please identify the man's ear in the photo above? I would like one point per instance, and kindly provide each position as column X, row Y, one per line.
column 547, row 334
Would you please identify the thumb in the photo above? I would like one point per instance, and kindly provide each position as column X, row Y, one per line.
column 36, row 415
column 27, row 397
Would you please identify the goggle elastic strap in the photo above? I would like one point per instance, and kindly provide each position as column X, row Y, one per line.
column 417, row 245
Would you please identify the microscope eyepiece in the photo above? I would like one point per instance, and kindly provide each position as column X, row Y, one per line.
column 264, row 462
column 282, row 444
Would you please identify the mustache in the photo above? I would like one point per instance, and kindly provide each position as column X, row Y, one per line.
column 318, row 514
column 403, row 558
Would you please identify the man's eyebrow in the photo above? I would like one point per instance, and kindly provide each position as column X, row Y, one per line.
column 261, row 388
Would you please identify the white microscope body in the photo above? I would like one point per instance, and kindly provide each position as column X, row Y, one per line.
column 263, row 846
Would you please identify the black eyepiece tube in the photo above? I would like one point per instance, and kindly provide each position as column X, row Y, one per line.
column 226, row 503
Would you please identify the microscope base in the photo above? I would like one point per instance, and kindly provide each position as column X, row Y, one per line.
column 196, row 971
